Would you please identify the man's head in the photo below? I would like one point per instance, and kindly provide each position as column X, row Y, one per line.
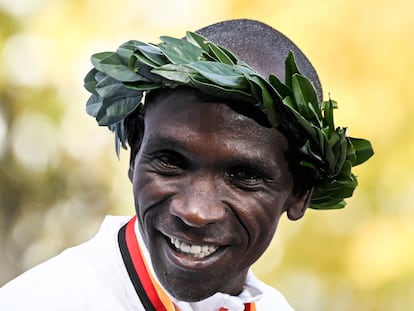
column 211, row 178
column 221, row 150
column 210, row 184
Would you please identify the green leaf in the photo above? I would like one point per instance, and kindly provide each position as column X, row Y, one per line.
column 153, row 53
column 220, row 92
column 120, row 136
column 128, row 48
column 339, row 149
column 234, row 59
column 149, row 52
column 290, row 69
column 307, row 164
column 197, row 40
column 117, row 110
column 174, row 72
column 90, row 81
column 219, row 54
column 221, row 74
column 305, row 94
column 314, row 115
column 331, row 204
column 328, row 107
column 289, row 102
column 138, row 60
column 99, row 76
column 94, row 105
column 109, row 87
column 97, row 58
column 363, row 150
column 300, row 120
column 281, row 88
column 142, row 86
column 179, row 51
column 267, row 99
column 148, row 76
column 113, row 66
column 310, row 154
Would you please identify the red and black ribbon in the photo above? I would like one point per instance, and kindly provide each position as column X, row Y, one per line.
column 138, row 273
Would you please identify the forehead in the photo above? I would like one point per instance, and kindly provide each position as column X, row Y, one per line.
column 186, row 115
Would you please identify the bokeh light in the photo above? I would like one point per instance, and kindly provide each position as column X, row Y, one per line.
column 3, row 134
column 35, row 142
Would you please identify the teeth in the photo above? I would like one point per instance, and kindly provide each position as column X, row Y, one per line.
column 199, row 251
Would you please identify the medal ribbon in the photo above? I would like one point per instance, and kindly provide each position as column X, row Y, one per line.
column 152, row 296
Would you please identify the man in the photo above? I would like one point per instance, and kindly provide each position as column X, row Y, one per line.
column 220, row 150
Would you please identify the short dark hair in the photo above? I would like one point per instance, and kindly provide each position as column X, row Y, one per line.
column 262, row 47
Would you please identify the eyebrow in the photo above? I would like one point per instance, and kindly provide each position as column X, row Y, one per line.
column 258, row 164
column 164, row 139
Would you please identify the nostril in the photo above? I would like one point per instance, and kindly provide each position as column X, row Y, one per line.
column 196, row 211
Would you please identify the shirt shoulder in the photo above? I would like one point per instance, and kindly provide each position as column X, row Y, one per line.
column 271, row 298
column 90, row 276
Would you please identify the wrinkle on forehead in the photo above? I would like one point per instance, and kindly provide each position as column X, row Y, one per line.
column 211, row 117
column 232, row 113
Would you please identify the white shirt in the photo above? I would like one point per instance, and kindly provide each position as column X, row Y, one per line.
column 92, row 276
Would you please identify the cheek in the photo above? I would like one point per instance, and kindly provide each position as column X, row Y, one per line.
column 262, row 218
column 149, row 190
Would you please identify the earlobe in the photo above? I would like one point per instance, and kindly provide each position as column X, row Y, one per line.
column 297, row 209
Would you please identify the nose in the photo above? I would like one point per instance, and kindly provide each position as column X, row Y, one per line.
column 199, row 203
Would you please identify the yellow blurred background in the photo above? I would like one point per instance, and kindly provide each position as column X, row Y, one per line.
column 59, row 174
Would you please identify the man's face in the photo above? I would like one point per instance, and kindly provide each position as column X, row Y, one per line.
column 210, row 185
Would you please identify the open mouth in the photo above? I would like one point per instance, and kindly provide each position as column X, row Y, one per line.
column 197, row 251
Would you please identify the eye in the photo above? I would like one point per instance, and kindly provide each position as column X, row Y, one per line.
column 168, row 161
column 245, row 177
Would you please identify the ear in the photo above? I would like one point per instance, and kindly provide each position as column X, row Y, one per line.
column 297, row 209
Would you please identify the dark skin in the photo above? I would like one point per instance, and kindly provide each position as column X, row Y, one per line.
column 210, row 185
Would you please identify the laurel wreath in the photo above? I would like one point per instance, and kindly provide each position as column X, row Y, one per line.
column 120, row 79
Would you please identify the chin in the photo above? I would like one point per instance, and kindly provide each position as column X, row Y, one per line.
column 189, row 294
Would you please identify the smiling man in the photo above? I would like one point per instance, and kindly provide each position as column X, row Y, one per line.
column 220, row 150
column 210, row 185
